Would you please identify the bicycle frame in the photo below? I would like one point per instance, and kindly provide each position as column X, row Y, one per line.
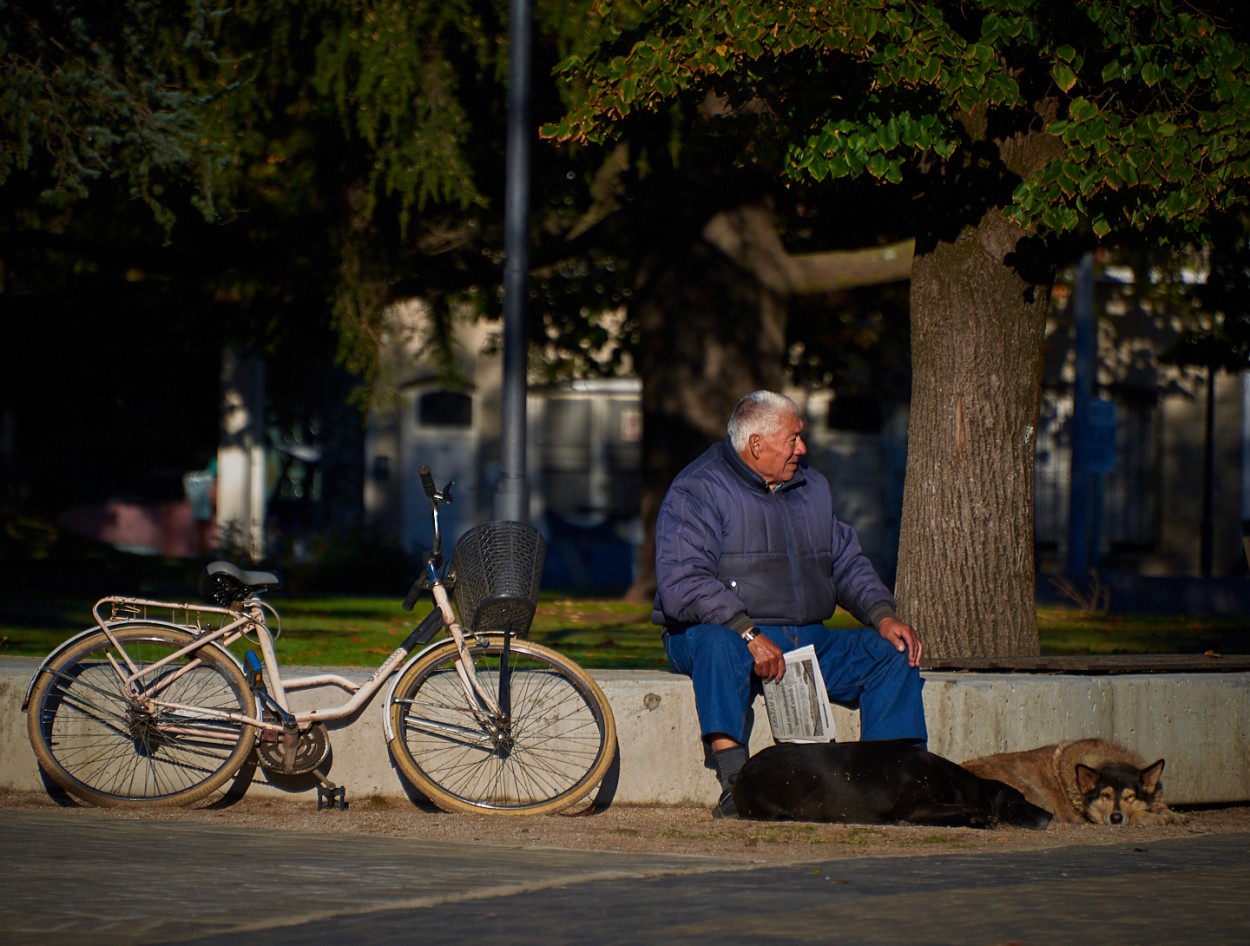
column 250, row 621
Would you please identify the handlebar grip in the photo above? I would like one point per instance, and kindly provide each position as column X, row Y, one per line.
column 414, row 593
column 427, row 482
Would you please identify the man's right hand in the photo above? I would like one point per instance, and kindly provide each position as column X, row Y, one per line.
column 770, row 660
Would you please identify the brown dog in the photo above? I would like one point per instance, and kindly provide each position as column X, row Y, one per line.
column 1083, row 780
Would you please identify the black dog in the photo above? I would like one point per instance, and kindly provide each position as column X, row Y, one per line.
column 875, row 783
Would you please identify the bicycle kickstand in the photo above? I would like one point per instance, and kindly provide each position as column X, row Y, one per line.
column 329, row 795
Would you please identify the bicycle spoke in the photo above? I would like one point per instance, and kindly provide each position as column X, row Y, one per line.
column 547, row 755
column 111, row 748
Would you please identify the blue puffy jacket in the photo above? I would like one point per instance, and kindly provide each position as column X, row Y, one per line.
column 730, row 551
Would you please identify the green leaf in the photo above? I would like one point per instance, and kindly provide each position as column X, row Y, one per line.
column 1064, row 77
column 1113, row 70
column 1081, row 109
column 629, row 89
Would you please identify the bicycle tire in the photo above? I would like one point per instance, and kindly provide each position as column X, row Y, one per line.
column 556, row 749
column 107, row 749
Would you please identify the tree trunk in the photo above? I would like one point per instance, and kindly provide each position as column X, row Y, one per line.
column 966, row 566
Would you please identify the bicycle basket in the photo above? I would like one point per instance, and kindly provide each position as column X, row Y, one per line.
column 498, row 567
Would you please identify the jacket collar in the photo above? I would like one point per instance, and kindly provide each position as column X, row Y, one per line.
column 749, row 476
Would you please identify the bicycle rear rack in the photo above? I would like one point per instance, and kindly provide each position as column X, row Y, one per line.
column 194, row 618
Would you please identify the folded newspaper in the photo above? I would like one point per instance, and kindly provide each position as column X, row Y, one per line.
column 798, row 706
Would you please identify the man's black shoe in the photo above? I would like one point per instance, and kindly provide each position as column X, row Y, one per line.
column 725, row 808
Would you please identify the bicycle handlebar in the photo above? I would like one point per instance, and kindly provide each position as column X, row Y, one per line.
column 427, row 482
column 414, row 594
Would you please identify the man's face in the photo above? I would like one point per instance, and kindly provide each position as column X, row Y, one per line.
column 776, row 456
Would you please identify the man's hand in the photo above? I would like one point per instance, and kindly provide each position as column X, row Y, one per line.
column 902, row 636
column 770, row 660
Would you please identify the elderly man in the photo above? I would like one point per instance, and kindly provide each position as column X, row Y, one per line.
column 750, row 562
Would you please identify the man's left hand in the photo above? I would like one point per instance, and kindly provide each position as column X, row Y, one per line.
column 903, row 637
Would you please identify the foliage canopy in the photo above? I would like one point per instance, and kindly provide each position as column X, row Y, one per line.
column 1145, row 102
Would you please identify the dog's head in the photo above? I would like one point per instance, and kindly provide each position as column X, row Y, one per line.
column 1009, row 807
column 1120, row 794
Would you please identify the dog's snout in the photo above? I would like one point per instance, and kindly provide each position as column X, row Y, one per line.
column 1116, row 817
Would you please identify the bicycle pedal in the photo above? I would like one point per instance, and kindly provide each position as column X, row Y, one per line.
column 331, row 796
column 334, row 797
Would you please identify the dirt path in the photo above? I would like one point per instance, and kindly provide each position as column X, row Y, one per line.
column 644, row 829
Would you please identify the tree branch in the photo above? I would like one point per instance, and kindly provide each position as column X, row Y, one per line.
column 749, row 237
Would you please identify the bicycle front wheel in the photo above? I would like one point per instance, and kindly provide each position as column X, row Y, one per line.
column 164, row 740
column 550, row 750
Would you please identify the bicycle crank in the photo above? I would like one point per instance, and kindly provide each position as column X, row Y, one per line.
column 311, row 748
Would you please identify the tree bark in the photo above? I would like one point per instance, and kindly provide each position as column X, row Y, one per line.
column 966, row 566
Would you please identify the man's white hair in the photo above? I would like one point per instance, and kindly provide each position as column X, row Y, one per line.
column 759, row 412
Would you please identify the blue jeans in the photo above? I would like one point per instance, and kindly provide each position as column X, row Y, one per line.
column 860, row 668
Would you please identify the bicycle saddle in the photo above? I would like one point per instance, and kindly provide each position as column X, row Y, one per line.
column 223, row 583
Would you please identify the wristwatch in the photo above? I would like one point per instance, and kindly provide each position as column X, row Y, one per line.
column 750, row 634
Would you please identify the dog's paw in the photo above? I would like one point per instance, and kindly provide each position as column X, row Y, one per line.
column 1156, row 814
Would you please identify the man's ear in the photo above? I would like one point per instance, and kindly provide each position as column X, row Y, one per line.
column 753, row 444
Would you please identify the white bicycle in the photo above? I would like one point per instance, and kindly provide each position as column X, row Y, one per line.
column 150, row 707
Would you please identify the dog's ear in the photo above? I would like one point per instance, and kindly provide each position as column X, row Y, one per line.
column 1150, row 776
column 1086, row 778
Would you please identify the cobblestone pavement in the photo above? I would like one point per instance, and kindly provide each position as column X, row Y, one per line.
column 112, row 882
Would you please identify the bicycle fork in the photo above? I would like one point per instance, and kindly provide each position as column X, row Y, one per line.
column 464, row 666
column 495, row 716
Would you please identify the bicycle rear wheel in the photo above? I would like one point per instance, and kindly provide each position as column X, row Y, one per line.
column 166, row 743
column 549, row 753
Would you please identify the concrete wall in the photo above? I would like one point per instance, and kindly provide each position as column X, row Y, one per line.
column 1198, row 722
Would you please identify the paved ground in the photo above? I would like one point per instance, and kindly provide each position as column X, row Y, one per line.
column 123, row 882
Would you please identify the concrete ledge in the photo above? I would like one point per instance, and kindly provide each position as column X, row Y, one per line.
column 1197, row 721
